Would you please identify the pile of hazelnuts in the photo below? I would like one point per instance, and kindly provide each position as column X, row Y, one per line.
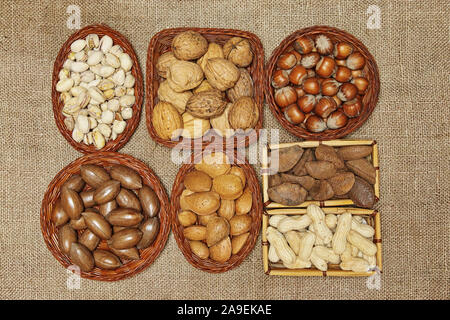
column 319, row 84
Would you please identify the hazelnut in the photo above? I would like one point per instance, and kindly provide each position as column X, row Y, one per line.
column 325, row 67
column 342, row 50
column 307, row 103
column 310, row 60
column 311, row 86
column 343, row 74
column 357, row 73
column 341, row 63
column 352, row 108
column 304, row 45
column 347, row 92
column 287, row 61
column 361, row 84
column 280, row 79
column 293, row 114
column 325, row 106
column 337, row 100
column 324, row 45
column 356, row 61
column 297, row 75
column 285, row 96
column 300, row 92
column 330, row 87
column 298, row 56
column 315, row 124
column 337, row 119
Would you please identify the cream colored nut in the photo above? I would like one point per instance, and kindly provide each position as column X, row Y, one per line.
column 76, row 77
column 366, row 246
column 84, row 85
column 340, row 236
column 92, row 41
column 78, row 45
column 282, row 248
column 96, row 94
column 92, row 122
column 87, row 76
column 99, row 139
column 94, row 83
column 106, row 43
column 294, row 223
column 127, row 101
column 81, row 56
column 105, row 84
column 95, row 58
column 331, row 220
column 113, row 135
column 106, row 71
column 116, row 50
column 113, row 105
column 86, row 139
column 94, row 111
column 129, row 81
column 326, row 254
column 371, row 260
column 71, row 56
column 104, row 106
column 364, row 229
column 112, row 60
column 275, row 219
column 96, row 69
column 119, row 126
column 127, row 113
column 104, row 129
column 65, row 96
column 298, row 264
column 355, row 265
column 76, row 91
column 67, row 64
column 78, row 66
column 120, row 91
column 273, row 257
column 63, row 74
column 109, row 94
column 69, row 123
column 119, row 77
column 77, row 135
column 318, row 220
column 125, row 61
column 82, row 112
column 107, row 116
column 347, row 254
column 82, row 124
column 293, row 238
column 130, row 91
column 64, row 85
column 306, row 245
column 318, row 262
column 71, row 106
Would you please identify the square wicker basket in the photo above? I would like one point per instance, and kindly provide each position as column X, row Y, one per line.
column 312, row 144
column 372, row 217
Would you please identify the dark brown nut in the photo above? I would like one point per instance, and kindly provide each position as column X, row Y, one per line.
column 97, row 224
column 362, row 193
column 89, row 240
column 321, row 191
column 306, row 182
column 206, row 104
column 287, row 157
column 363, row 168
column 71, row 203
column 354, row 152
column 117, row 228
column 126, row 254
column 59, row 216
column 128, row 178
column 106, row 260
column 342, row 183
column 66, row 237
column 94, row 175
column 88, row 198
column 320, row 169
column 327, row 153
column 107, row 191
column 150, row 230
column 275, row 180
column 128, row 199
column 240, row 224
column 82, row 257
column 149, row 201
column 125, row 239
column 299, row 169
column 107, row 207
column 75, row 182
column 289, row 194
column 124, row 217
column 78, row 224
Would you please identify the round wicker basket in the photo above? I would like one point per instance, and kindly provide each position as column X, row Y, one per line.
column 122, row 139
column 369, row 99
column 256, row 214
column 161, row 43
column 106, row 160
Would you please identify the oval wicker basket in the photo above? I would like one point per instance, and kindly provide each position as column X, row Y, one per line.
column 369, row 100
column 119, row 142
column 161, row 43
column 256, row 214
column 106, row 159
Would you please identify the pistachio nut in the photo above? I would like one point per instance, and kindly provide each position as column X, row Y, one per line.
column 125, row 61
column 78, row 66
column 92, row 41
column 94, row 58
column 127, row 113
column 64, row 85
column 107, row 116
column 99, row 139
column 106, row 43
column 78, row 45
column 119, row 126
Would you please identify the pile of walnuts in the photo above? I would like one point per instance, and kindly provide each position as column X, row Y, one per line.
column 319, row 84
column 204, row 85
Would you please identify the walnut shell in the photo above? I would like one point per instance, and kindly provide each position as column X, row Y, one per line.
column 221, row 124
column 204, row 86
column 189, row 45
column 193, row 127
column 184, row 75
column 166, row 120
column 206, row 104
column 164, row 62
column 214, row 51
column 242, row 88
column 177, row 99
column 244, row 114
column 221, row 73
column 238, row 51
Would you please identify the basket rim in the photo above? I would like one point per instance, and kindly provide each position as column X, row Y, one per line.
column 328, row 134
column 211, row 138
column 209, row 265
column 122, row 139
column 53, row 190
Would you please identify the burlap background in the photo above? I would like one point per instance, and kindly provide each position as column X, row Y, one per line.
column 411, row 124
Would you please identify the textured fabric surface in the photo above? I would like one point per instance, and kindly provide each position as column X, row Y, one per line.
column 410, row 123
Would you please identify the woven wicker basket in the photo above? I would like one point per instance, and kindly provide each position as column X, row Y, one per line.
column 256, row 214
column 106, row 159
column 373, row 219
column 119, row 142
column 369, row 100
column 161, row 43
column 313, row 144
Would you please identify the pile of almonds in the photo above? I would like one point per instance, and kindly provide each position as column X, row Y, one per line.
column 97, row 89
column 319, row 84
column 204, row 85
column 115, row 207
column 323, row 173
column 215, row 207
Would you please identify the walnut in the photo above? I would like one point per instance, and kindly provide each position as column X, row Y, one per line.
column 221, row 73
column 184, row 75
column 206, row 104
column 214, row 51
column 189, row 45
column 242, row 88
column 204, row 86
column 177, row 99
column 164, row 62
column 194, row 127
column 221, row 124
column 238, row 51
column 244, row 114
column 166, row 120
